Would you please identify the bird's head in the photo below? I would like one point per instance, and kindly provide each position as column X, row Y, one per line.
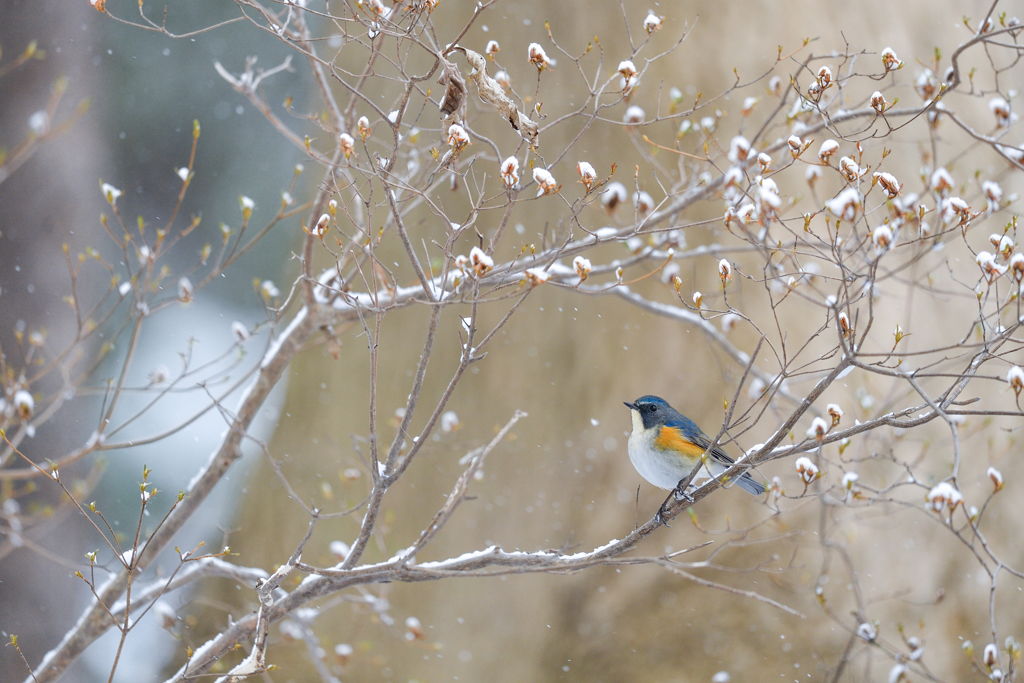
column 650, row 411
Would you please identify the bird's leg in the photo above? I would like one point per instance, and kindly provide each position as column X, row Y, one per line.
column 680, row 493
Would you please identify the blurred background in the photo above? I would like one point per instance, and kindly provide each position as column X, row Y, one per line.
column 563, row 480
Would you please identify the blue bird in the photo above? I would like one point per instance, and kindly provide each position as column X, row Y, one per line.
column 665, row 446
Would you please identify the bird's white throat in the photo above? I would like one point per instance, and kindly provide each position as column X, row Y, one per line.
column 638, row 422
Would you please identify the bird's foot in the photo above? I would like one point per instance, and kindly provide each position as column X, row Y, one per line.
column 682, row 495
column 659, row 519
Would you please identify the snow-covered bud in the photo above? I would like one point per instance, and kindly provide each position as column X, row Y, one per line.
column 775, row 86
column 414, row 631
column 652, row 22
column 882, row 238
column 320, row 229
column 146, row 256
column 990, row 656
column 1000, row 108
column 643, row 202
column 1003, row 245
column 510, row 171
column 941, row 181
column 844, row 323
column 824, row 77
column 812, row 175
column 724, row 271
column 729, row 322
column 492, row 49
column 363, row 124
column 247, row 205
column 240, row 331
column 24, row 405
column 481, row 262
column 449, row 421
column 867, row 632
column 546, row 183
column 807, row 470
column 747, row 213
column 587, row 174
column 819, row 428
column 764, row 161
column 997, row 478
column 503, row 79
column 943, row 494
column 988, row 265
column 537, row 276
column 185, row 290
column 835, row 412
column 850, row 170
column 614, row 195
column 739, row 149
column 343, row 653
column 582, row 266
column 898, row 673
column 110, row 193
column 796, row 145
column 926, row 84
column 457, row 136
column 627, row 69
column 827, row 149
column 1017, row 266
column 535, row 53
column 733, row 177
column 346, row 141
column 889, row 183
column 845, row 204
column 878, row 102
column 269, row 290
column 634, row 116
column 183, row 173
column 993, row 192
column 1015, row 378
column 890, row 61
column 959, row 207
column 697, row 299
column 849, row 479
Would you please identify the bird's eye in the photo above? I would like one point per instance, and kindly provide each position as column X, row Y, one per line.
column 652, row 409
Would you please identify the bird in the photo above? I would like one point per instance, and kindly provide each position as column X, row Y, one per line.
column 665, row 446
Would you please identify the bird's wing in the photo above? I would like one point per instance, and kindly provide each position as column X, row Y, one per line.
column 672, row 438
column 702, row 440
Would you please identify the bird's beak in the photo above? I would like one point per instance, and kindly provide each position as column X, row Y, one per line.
column 631, row 406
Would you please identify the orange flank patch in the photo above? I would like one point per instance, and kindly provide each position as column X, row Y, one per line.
column 672, row 439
